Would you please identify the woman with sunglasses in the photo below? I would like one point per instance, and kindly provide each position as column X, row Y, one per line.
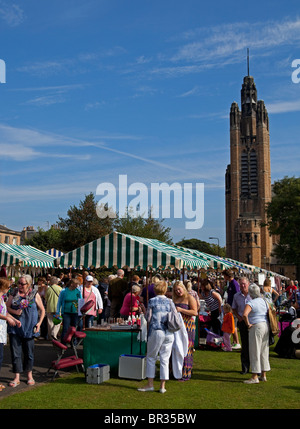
column 25, row 305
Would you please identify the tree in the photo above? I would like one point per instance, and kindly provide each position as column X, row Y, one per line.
column 143, row 227
column 283, row 220
column 202, row 246
column 45, row 240
column 83, row 224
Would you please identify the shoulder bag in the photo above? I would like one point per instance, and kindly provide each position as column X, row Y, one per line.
column 174, row 321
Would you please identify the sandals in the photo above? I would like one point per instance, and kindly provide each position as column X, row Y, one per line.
column 31, row 382
column 2, row 387
column 14, row 383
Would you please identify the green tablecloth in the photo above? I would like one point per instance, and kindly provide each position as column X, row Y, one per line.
column 105, row 347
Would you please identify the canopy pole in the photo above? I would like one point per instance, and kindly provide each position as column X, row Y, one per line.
column 198, row 281
column 83, row 290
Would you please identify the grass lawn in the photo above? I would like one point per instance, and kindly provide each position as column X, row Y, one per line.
column 216, row 384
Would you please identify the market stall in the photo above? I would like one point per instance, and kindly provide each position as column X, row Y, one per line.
column 105, row 345
column 127, row 252
column 23, row 259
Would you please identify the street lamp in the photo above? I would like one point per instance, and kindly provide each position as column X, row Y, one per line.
column 216, row 238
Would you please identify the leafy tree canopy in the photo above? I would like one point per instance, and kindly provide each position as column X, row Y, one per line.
column 143, row 227
column 283, row 219
column 202, row 246
column 83, row 225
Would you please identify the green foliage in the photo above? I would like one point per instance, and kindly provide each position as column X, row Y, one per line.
column 45, row 240
column 143, row 227
column 202, row 246
column 283, row 219
column 82, row 225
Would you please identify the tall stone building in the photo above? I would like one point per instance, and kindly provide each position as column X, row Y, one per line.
column 248, row 180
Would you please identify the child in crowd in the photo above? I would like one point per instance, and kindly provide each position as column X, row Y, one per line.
column 228, row 327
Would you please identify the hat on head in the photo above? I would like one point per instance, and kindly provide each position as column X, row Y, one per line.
column 89, row 278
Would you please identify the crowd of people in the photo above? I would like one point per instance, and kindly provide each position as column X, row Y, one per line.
column 238, row 313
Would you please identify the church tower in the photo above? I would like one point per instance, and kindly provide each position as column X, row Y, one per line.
column 248, row 179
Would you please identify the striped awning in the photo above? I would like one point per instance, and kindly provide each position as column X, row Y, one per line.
column 24, row 256
column 128, row 251
column 54, row 252
column 215, row 262
column 251, row 268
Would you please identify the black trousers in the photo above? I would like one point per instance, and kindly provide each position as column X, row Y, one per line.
column 244, row 334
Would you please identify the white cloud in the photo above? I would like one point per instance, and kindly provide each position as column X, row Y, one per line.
column 225, row 41
column 12, row 14
column 284, row 107
column 46, row 100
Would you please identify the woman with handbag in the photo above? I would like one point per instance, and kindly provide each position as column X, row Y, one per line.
column 91, row 293
column 51, row 299
column 160, row 339
column 187, row 306
column 256, row 319
column 25, row 305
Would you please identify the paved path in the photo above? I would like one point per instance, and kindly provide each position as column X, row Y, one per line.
column 44, row 354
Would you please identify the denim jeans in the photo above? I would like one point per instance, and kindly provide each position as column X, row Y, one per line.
column 19, row 345
column 1, row 354
column 69, row 319
column 89, row 320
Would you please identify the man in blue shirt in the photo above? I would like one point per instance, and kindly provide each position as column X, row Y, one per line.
column 240, row 300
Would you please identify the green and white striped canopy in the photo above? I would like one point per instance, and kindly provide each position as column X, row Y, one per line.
column 128, row 251
column 215, row 262
column 24, row 256
column 251, row 268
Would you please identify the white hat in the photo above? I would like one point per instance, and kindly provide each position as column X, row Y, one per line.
column 89, row 278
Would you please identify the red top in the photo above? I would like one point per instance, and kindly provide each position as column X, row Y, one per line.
column 127, row 305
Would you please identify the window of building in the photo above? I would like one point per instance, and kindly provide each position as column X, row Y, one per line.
column 14, row 240
column 6, row 240
column 249, row 183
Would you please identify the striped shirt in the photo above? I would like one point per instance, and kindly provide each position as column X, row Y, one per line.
column 211, row 302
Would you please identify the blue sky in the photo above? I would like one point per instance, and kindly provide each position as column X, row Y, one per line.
column 103, row 88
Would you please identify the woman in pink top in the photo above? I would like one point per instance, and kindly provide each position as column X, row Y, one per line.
column 91, row 293
column 130, row 304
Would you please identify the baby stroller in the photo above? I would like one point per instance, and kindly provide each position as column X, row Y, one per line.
column 213, row 340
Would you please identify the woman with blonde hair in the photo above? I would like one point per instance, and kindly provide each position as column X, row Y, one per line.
column 160, row 339
column 191, row 291
column 187, row 306
column 268, row 292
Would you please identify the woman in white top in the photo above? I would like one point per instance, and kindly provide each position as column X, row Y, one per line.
column 268, row 292
column 255, row 317
column 91, row 293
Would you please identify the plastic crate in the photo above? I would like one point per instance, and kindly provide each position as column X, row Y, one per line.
column 97, row 374
column 132, row 366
